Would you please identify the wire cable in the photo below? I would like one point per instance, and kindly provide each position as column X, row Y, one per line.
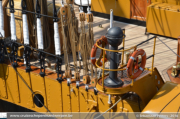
column 37, row 49
column 168, row 47
column 33, row 13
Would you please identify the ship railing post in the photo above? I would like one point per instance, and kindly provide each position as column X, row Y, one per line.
column 153, row 54
column 103, row 68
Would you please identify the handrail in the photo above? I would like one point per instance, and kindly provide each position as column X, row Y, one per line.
column 114, row 50
column 122, row 67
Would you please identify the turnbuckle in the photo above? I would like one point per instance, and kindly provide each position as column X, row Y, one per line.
column 2, row 51
column 11, row 5
column 41, row 56
column 38, row 9
column 14, row 48
column 55, row 12
column 27, row 52
column 58, row 68
column 24, row 6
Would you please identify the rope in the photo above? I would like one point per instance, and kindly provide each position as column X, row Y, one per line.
column 71, row 23
column 66, row 60
column 168, row 47
column 83, row 46
column 13, row 27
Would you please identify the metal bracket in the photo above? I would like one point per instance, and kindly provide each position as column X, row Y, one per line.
column 77, row 84
column 38, row 9
column 58, row 68
column 14, row 53
column 54, row 11
column 95, row 91
column 118, row 58
column 11, row 5
column 24, row 6
column 42, row 63
column 27, row 52
column 86, row 87
column 2, row 51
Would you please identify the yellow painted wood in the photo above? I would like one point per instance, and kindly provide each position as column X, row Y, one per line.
column 166, row 100
column 12, row 84
column 103, row 103
column 25, row 94
column 75, row 102
column 162, row 19
column 66, row 97
column 83, row 102
column 120, row 8
column 3, row 87
column 173, row 2
column 38, row 87
column 59, row 97
column 54, row 95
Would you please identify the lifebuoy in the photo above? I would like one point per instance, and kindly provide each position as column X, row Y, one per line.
column 131, row 62
column 94, row 50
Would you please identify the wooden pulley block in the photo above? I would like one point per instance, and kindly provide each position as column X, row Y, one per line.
column 89, row 17
column 82, row 16
column 66, row 7
column 77, row 76
column 86, row 79
column 63, row 10
column 68, row 74
column 93, row 82
column 70, row 1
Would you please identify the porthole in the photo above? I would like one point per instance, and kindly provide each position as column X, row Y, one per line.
column 38, row 100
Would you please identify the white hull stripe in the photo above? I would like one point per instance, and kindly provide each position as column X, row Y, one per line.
column 143, row 54
column 132, row 58
column 141, row 68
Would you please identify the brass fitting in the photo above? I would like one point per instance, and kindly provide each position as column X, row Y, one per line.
column 178, row 66
column 174, row 71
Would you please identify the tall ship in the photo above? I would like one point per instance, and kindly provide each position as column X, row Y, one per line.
column 57, row 56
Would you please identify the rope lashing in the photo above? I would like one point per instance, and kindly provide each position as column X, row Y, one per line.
column 1, row 20
column 13, row 25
